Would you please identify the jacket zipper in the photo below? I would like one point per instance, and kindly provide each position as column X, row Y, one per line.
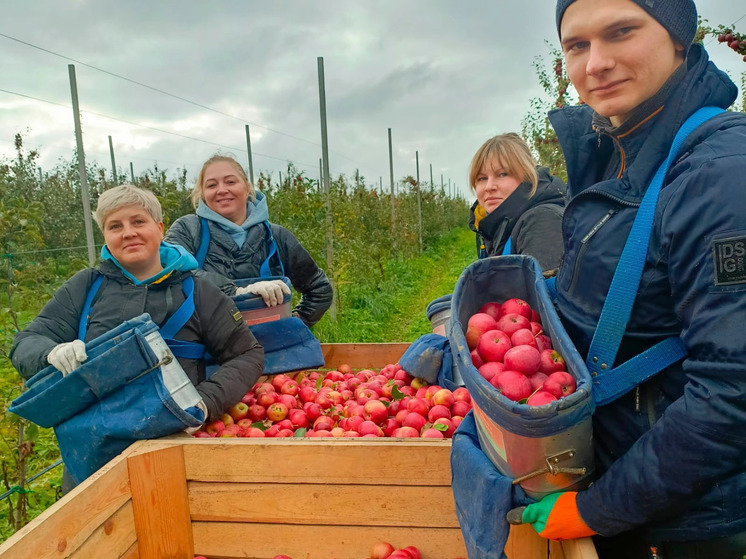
column 584, row 246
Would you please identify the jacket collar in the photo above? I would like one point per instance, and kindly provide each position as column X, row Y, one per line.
column 173, row 258
column 256, row 213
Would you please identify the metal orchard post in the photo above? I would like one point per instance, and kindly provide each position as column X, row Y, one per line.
column 327, row 186
column 81, row 168
column 419, row 199
column 113, row 162
column 321, row 173
column 391, row 176
column 132, row 173
column 432, row 186
column 251, row 161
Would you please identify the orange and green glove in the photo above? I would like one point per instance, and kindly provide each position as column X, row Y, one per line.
column 555, row 517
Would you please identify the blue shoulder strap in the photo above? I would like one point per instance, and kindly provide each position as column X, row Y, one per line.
column 85, row 315
column 264, row 270
column 507, row 248
column 609, row 384
column 204, row 242
column 180, row 348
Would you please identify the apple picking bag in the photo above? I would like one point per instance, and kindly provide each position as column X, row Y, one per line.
column 545, row 448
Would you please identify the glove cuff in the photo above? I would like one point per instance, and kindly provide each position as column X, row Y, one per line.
column 561, row 521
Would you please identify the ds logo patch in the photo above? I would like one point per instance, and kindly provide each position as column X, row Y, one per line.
column 730, row 260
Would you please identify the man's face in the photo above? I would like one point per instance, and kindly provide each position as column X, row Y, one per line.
column 617, row 55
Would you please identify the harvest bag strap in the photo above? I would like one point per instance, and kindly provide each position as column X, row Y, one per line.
column 264, row 271
column 609, row 384
column 180, row 348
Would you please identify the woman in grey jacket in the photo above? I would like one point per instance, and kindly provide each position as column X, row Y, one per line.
column 519, row 205
column 231, row 237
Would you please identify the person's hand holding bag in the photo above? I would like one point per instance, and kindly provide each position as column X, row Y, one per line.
column 67, row 357
column 272, row 291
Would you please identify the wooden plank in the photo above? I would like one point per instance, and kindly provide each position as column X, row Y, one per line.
column 576, row 549
column 362, row 356
column 344, row 461
column 370, row 505
column 524, row 543
column 63, row 528
column 264, row 541
column 132, row 553
column 113, row 539
column 161, row 505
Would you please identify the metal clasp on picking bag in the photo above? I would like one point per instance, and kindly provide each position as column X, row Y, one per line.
column 553, row 468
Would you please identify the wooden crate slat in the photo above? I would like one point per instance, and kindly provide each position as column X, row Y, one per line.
column 264, row 541
column 113, row 539
column 375, row 461
column 372, row 505
column 524, row 543
column 64, row 527
column 362, row 356
column 132, row 553
column 160, row 503
column 574, row 549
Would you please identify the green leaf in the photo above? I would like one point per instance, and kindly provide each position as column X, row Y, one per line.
column 300, row 432
column 319, row 383
column 396, row 394
column 32, row 432
column 440, row 426
column 260, row 425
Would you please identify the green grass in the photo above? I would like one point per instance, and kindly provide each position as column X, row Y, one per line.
column 394, row 310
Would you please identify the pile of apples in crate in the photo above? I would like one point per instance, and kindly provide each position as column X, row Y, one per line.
column 343, row 403
column 511, row 351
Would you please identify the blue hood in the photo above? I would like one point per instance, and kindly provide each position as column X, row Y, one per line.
column 256, row 213
column 173, row 257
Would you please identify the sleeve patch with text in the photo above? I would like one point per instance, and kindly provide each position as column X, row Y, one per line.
column 730, row 260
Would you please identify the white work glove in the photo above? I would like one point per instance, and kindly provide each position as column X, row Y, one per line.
column 272, row 291
column 67, row 357
column 191, row 430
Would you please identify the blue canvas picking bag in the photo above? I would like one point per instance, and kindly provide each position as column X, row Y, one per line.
column 519, row 439
column 116, row 397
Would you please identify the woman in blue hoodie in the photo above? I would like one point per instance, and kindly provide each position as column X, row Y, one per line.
column 232, row 238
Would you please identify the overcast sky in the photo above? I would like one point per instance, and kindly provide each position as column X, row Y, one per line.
column 443, row 75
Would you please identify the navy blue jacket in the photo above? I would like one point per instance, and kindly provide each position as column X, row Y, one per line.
column 673, row 452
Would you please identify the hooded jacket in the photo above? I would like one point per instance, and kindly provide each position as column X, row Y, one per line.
column 216, row 323
column 533, row 224
column 228, row 258
column 673, row 451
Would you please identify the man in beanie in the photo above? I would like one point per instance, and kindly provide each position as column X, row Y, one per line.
column 670, row 449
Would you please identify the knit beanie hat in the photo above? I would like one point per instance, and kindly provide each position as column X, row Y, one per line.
column 678, row 17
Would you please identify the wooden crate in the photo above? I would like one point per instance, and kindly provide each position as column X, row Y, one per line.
column 306, row 498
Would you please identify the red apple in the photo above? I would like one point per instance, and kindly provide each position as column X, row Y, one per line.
column 517, row 306
column 257, row 412
column 525, row 359
column 307, row 394
column 227, row 419
column 492, row 308
column 432, row 434
column 289, row 401
column 476, row 360
column 543, row 342
column 381, row 550
column 298, row 419
column 461, row 394
column 460, row 408
column 450, row 427
column 514, row 385
column 215, row 426
column 478, row 324
column 278, row 380
column 376, row 411
column 551, row 362
column 537, row 328
column 493, row 344
column 510, row 323
column 290, row 387
column 254, row 433
column 436, row 412
column 418, row 405
column 344, row 368
column 559, row 384
column 524, row 336
column 323, row 423
column 370, row 428
column 414, row 420
column 537, row 380
column 540, row 397
column 414, row 553
column 406, row 432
